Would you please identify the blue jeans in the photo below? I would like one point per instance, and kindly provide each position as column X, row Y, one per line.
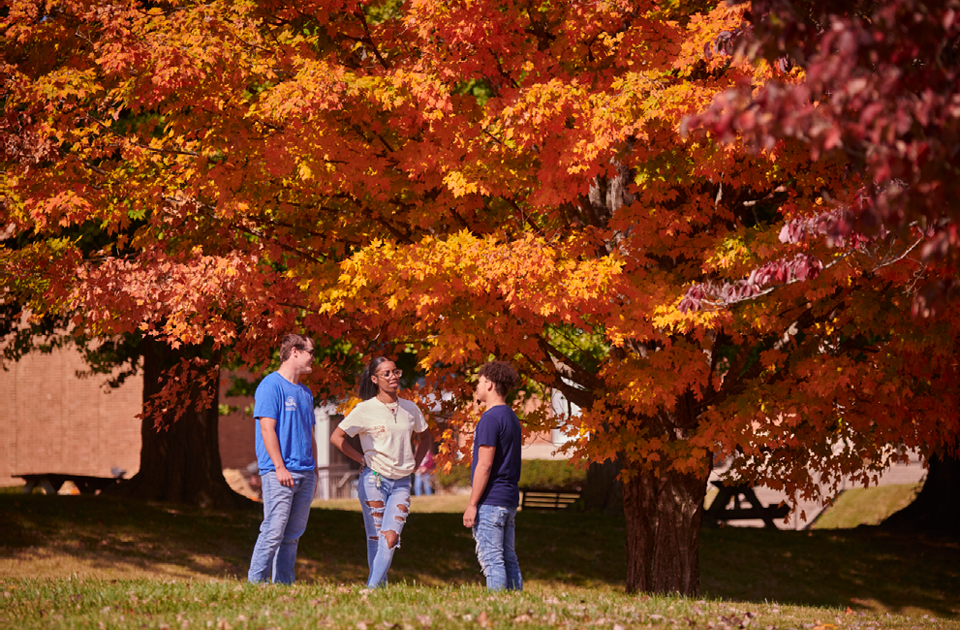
column 421, row 484
column 285, row 514
column 494, row 532
column 385, row 504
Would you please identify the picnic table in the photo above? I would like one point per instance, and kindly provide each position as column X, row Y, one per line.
column 739, row 494
column 51, row 482
column 542, row 499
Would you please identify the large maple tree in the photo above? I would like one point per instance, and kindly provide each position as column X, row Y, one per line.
column 466, row 180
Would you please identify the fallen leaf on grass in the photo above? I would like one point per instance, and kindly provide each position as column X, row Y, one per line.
column 524, row 618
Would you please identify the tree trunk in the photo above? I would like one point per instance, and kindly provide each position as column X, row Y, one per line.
column 937, row 507
column 180, row 461
column 663, row 513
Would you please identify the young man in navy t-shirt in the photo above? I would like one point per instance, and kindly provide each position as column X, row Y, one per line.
column 286, row 455
column 495, row 477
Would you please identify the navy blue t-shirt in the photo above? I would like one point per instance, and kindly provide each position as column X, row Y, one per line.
column 499, row 427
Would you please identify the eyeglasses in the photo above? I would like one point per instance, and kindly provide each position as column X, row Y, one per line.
column 388, row 373
column 307, row 350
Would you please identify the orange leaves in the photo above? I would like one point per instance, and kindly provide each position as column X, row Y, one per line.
column 706, row 37
column 437, row 283
column 183, row 300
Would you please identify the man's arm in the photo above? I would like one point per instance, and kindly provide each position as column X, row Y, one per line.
column 268, row 430
column 481, row 475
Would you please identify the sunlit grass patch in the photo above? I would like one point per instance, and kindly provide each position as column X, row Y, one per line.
column 866, row 506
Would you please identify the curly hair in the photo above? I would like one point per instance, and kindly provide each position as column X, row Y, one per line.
column 501, row 374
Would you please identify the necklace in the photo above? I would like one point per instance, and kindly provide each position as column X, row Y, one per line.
column 393, row 409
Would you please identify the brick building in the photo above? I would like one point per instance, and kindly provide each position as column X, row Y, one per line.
column 64, row 424
column 60, row 423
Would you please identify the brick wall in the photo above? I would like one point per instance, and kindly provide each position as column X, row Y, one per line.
column 59, row 423
column 237, row 447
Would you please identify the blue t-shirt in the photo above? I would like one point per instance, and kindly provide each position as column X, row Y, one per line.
column 500, row 428
column 291, row 405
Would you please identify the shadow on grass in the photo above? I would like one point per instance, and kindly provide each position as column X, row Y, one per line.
column 862, row 568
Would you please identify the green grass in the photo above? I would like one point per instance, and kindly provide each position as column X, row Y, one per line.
column 228, row 605
column 79, row 562
column 866, row 506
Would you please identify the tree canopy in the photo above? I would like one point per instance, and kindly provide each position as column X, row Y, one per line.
column 487, row 178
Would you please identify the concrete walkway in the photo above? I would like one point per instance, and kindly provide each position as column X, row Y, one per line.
column 910, row 473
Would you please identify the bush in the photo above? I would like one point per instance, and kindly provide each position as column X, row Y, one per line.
column 539, row 474
column 458, row 477
column 550, row 474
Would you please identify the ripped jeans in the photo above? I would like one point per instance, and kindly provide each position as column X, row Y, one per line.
column 385, row 504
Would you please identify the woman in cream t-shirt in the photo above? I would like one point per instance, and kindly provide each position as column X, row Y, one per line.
column 385, row 423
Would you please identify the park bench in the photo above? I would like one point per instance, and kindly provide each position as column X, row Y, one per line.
column 718, row 512
column 536, row 499
column 51, row 482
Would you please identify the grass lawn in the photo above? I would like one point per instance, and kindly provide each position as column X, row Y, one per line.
column 867, row 506
column 96, row 562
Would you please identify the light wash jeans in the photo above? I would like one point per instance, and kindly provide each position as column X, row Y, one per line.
column 385, row 504
column 285, row 514
column 494, row 532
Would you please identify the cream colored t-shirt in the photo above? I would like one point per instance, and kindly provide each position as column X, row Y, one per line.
column 385, row 438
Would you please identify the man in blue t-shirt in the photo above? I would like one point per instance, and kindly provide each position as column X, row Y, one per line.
column 286, row 455
column 495, row 477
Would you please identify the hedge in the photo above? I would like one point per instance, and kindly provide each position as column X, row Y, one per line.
column 540, row 474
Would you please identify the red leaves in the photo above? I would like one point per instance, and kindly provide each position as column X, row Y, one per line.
column 799, row 268
column 879, row 87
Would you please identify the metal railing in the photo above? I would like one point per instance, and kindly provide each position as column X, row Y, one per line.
column 337, row 482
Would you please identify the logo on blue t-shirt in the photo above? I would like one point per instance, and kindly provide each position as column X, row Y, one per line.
column 290, row 403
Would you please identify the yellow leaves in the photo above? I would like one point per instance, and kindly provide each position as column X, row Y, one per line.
column 459, row 186
column 669, row 318
column 345, row 407
column 731, row 251
column 304, row 171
